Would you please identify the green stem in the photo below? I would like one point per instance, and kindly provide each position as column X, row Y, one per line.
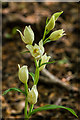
column 26, row 101
column 44, row 34
column 45, row 40
column 30, row 110
column 35, row 62
column 36, row 78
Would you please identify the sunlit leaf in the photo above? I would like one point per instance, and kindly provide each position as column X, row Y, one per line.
column 49, row 107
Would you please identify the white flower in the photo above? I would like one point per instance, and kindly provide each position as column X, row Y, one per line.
column 56, row 34
column 52, row 20
column 33, row 95
column 36, row 50
column 28, row 37
column 23, row 73
column 44, row 59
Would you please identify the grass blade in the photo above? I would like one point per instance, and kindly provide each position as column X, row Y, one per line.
column 13, row 89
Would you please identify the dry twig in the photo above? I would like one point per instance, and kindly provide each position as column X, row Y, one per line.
column 53, row 79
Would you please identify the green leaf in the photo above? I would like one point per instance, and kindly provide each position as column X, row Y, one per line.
column 45, row 31
column 47, row 63
column 25, row 52
column 49, row 107
column 39, row 62
column 47, row 20
column 13, row 89
column 32, row 75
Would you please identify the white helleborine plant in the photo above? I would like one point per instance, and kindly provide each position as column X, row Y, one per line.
column 40, row 61
column 33, row 95
column 44, row 59
column 23, row 73
column 36, row 50
column 28, row 37
column 56, row 34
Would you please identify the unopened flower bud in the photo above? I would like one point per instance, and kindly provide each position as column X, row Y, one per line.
column 51, row 23
column 23, row 73
column 44, row 59
column 57, row 14
column 36, row 50
column 28, row 37
column 56, row 34
column 33, row 95
column 52, row 20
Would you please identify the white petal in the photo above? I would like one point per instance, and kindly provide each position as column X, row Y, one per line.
column 30, row 47
column 22, row 37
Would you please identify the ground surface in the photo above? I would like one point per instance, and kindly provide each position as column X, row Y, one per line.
column 17, row 15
